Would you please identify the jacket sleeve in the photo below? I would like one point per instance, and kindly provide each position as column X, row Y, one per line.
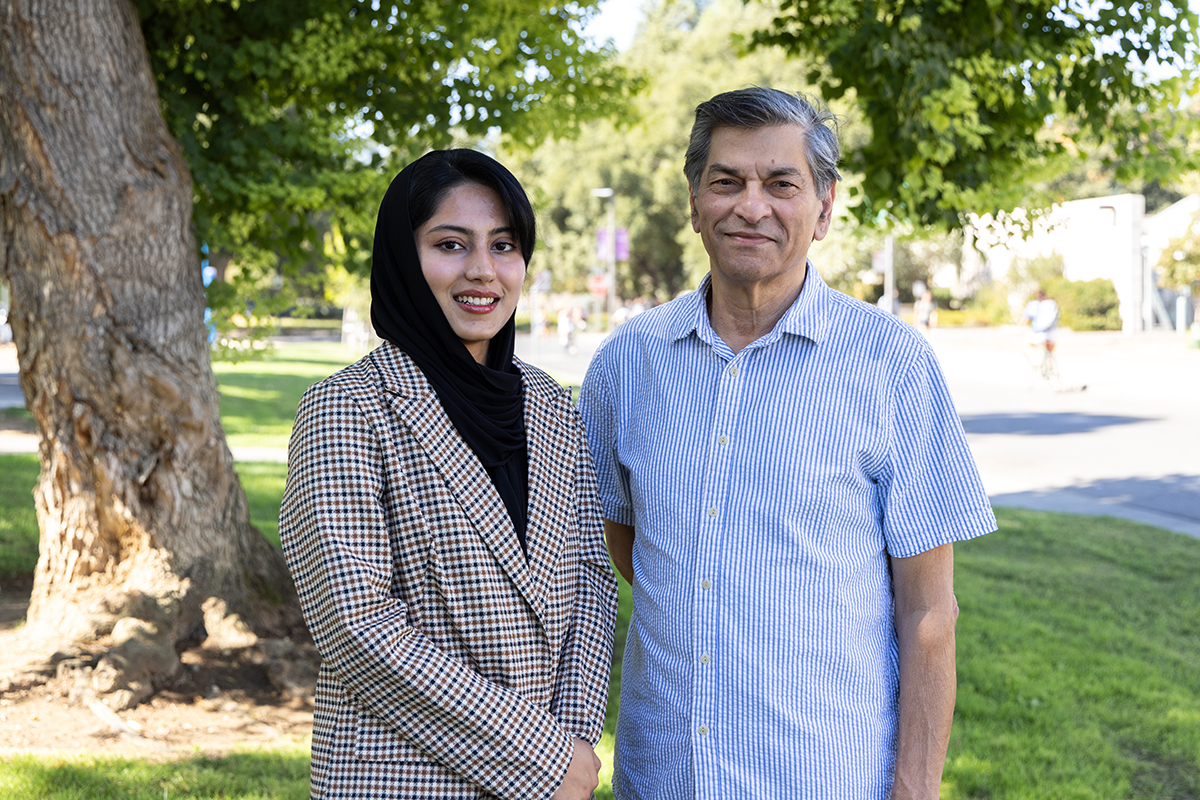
column 585, row 664
column 338, row 547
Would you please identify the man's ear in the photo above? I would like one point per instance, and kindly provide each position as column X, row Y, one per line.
column 692, row 204
column 825, row 219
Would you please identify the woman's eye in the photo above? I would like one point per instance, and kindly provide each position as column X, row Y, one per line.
column 448, row 246
column 504, row 247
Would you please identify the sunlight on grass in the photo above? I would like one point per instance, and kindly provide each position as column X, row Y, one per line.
column 18, row 520
column 1077, row 653
column 280, row 774
column 259, row 398
column 262, row 481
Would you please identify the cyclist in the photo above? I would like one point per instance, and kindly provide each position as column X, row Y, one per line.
column 1041, row 315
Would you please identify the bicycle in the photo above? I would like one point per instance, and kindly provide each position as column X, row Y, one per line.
column 1045, row 368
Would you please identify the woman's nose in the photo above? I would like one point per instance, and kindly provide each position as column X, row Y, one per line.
column 480, row 265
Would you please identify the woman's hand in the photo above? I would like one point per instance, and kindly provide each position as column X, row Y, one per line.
column 583, row 776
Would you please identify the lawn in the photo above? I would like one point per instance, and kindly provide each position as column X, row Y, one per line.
column 259, row 398
column 249, row 775
column 1078, row 646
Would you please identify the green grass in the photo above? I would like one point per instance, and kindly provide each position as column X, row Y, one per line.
column 1079, row 661
column 1078, row 644
column 258, row 406
column 259, row 398
column 247, row 775
column 18, row 521
column 16, row 413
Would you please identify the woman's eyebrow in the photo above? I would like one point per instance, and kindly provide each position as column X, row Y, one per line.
column 448, row 226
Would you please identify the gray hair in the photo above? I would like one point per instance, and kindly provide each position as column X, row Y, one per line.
column 761, row 107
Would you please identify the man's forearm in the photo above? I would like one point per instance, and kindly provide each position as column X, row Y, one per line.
column 620, row 547
column 927, row 692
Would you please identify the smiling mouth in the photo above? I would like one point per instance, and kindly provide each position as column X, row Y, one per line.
column 749, row 236
column 477, row 305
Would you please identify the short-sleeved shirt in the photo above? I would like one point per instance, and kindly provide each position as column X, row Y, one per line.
column 767, row 490
column 1042, row 316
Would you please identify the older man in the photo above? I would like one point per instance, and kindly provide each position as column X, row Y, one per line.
column 783, row 474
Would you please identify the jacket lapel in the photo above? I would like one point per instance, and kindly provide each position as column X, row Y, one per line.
column 422, row 414
column 550, row 432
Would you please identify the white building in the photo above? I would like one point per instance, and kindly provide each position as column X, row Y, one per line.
column 1100, row 237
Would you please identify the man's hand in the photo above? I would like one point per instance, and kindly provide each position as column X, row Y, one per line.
column 583, row 776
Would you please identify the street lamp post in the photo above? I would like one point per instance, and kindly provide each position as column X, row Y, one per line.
column 610, row 303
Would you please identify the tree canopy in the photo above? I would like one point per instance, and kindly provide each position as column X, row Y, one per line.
column 280, row 104
column 972, row 102
column 684, row 54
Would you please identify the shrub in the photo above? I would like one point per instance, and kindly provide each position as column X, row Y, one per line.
column 1086, row 305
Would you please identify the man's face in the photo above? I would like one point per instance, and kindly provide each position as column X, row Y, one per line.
column 756, row 208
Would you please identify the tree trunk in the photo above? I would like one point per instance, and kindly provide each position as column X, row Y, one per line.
column 146, row 544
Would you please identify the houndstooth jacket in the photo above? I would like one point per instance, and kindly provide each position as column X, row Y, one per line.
column 452, row 666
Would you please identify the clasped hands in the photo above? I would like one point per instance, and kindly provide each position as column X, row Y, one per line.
column 583, row 776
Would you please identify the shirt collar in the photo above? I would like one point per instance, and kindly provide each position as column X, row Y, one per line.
column 807, row 317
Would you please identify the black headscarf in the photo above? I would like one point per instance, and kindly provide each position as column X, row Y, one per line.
column 484, row 401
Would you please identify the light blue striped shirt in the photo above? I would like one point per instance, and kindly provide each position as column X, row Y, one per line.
column 767, row 490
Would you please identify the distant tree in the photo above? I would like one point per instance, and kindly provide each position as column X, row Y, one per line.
column 146, row 542
column 685, row 52
column 279, row 104
column 1179, row 265
column 970, row 102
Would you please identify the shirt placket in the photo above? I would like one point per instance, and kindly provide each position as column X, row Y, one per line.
column 708, row 589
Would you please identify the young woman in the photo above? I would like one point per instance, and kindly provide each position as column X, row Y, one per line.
column 441, row 522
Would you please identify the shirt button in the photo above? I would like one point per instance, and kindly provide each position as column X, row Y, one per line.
column 702, row 730
column 712, row 512
column 733, row 370
column 722, row 439
column 704, row 659
column 706, row 584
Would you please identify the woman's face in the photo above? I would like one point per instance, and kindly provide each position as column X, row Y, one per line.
column 472, row 261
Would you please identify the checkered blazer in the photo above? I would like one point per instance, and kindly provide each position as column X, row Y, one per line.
column 452, row 666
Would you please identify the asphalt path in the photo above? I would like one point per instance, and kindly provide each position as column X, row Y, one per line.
column 10, row 389
column 1127, row 445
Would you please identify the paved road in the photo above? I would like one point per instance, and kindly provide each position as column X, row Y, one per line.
column 1126, row 446
column 10, row 388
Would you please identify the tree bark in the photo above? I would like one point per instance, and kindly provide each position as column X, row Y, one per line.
column 146, row 544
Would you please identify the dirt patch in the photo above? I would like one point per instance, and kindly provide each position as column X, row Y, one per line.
column 221, row 700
